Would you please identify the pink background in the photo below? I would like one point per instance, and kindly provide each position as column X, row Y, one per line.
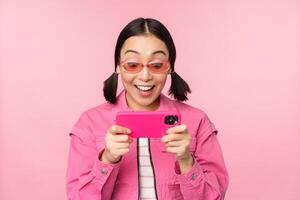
column 241, row 59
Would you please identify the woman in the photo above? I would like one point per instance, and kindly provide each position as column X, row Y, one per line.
column 106, row 163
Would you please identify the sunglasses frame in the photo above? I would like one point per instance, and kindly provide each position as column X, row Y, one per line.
column 147, row 65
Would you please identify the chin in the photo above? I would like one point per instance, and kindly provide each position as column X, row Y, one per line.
column 146, row 101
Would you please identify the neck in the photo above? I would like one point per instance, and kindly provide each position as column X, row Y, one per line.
column 136, row 107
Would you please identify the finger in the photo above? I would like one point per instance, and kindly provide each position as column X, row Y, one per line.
column 112, row 146
column 121, row 145
column 172, row 137
column 175, row 143
column 121, row 138
column 175, row 150
column 115, row 129
column 177, row 129
column 121, row 151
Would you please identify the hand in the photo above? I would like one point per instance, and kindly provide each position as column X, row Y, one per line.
column 177, row 141
column 117, row 142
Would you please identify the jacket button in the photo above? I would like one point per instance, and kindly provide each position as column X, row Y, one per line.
column 194, row 176
column 104, row 171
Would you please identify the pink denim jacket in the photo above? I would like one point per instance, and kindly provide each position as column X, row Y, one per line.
column 88, row 178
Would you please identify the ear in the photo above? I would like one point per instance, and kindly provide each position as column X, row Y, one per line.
column 118, row 70
column 170, row 68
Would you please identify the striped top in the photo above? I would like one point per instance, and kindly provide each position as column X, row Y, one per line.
column 146, row 174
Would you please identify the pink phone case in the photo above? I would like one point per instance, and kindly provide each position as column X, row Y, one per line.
column 151, row 124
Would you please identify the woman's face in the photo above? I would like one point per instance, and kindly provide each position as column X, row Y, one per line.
column 144, row 87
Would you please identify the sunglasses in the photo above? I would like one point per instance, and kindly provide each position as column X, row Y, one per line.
column 157, row 67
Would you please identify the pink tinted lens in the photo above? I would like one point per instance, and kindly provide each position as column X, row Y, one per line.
column 156, row 67
column 133, row 66
column 159, row 67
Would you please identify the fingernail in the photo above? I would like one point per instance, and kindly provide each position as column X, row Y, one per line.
column 113, row 128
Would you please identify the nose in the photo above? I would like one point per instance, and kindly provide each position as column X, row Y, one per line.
column 145, row 74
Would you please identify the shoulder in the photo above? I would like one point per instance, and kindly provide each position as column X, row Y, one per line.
column 97, row 116
column 99, row 109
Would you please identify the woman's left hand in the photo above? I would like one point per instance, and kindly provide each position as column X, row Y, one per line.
column 177, row 141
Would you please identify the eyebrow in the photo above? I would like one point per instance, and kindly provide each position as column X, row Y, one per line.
column 155, row 52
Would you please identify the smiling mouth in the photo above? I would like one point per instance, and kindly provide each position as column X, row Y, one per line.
column 144, row 88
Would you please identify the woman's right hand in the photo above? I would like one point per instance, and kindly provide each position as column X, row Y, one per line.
column 117, row 142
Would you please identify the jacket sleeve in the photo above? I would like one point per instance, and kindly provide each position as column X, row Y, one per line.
column 87, row 177
column 208, row 178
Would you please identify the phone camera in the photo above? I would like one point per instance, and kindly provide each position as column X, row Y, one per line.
column 171, row 119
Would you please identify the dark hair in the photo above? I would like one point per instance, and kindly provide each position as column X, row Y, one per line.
column 141, row 26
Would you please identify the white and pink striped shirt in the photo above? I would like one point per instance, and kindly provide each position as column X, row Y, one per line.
column 146, row 173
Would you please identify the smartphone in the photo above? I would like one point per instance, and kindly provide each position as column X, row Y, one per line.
column 152, row 124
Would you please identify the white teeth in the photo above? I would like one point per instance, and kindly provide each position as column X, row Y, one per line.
column 144, row 88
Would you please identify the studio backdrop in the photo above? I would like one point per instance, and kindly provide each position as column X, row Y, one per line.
column 241, row 59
